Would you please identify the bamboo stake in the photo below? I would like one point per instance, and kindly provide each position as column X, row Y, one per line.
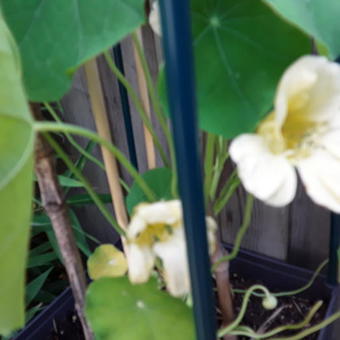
column 56, row 210
column 103, row 128
column 143, row 90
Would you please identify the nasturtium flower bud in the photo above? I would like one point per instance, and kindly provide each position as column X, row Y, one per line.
column 106, row 261
column 269, row 302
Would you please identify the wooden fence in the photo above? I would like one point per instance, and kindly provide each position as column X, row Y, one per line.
column 298, row 233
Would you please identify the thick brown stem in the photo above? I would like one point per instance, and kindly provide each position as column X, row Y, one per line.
column 56, row 209
column 224, row 291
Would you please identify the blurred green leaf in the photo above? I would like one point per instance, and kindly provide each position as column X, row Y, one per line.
column 33, row 287
column 114, row 304
column 42, row 248
column 158, row 180
column 55, row 37
column 318, row 18
column 81, row 199
column 69, row 182
column 41, row 260
column 16, row 179
column 30, row 313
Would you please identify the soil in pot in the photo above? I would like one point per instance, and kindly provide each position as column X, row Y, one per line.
column 293, row 309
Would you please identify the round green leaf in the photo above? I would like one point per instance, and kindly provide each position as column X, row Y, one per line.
column 241, row 49
column 319, row 18
column 116, row 309
column 159, row 180
column 55, row 37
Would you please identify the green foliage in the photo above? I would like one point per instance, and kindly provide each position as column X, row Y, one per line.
column 33, row 288
column 319, row 18
column 69, row 182
column 55, row 37
column 159, row 181
column 16, row 178
column 116, row 309
column 241, row 50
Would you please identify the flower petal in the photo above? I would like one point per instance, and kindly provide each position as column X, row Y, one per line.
column 311, row 84
column 154, row 19
column 174, row 257
column 136, row 226
column 269, row 177
column 169, row 212
column 140, row 262
column 321, row 176
column 331, row 142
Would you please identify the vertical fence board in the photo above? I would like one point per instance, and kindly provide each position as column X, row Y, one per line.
column 268, row 231
column 309, row 232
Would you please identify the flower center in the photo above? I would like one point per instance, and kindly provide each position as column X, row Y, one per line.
column 297, row 137
column 158, row 232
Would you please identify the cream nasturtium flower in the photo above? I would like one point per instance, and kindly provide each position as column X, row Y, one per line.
column 156, row 231
column 302, row 132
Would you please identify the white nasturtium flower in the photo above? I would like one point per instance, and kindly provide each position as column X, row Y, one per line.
column 302, row 132
column 156, row 231
column 154, row 19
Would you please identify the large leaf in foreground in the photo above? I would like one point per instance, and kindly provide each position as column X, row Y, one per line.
column 57, row 36
column 116, row 309
column 16, row 177
column 319, row 18
column 241, row 49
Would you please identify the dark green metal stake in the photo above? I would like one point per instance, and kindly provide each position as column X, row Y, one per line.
column 177, row 46
column 333, row 268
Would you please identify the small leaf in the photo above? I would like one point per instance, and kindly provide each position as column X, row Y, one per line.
column 319, row 18
column 33, row 288
column 106, row 261
column 41, row 260
column 69, row 182
column 159, row 180
column 116, row 309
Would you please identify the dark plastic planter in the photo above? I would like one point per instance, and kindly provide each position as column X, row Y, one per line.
column 273, row 273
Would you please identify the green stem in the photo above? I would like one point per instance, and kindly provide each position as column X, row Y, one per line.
column 62, row 154
column 243, row 229
column 221, row 158
column 57, row 127
column 302, row 324
column 226, row 193
column 139, row 106
column 292, row 292
column 209, row 164
column 72, row 140
column 313, row 329
column 243, row 309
